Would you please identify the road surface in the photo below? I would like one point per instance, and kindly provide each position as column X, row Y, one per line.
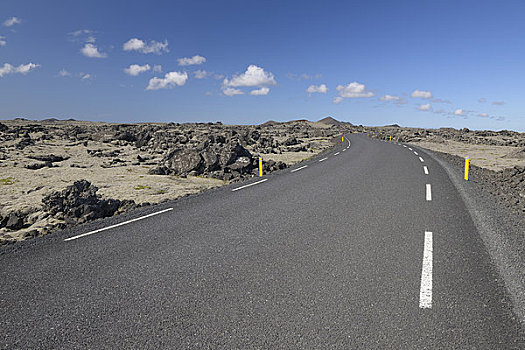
column 368, row 246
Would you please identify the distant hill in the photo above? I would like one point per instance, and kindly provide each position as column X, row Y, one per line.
column 326, row 122
column 270, row 122
column 332, row 121
column 273, row 122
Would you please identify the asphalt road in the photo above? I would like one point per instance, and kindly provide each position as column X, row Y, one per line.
column 347, row 252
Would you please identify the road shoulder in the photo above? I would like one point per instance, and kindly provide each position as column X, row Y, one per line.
column 500, row 230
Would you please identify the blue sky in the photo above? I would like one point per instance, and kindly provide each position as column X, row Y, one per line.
column 415, row 63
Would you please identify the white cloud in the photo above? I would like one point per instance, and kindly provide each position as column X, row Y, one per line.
column 353, row 90
column 498, row 103
column 188, row 61
column 135, row 69
column 338, row 99
column 421, row 94
column 397, row 100
column 231, row 91
column 82, row 36
column 90, row 50
column 254, row 76
column 482, row 100
column 22, row 69
column 135, row 44
column 26, row 68
column 12, row 21
column 303, row 76
column 2, row 41
column 64, row 73
column 157, row 68
column 389, row 98
column 294, row 76
column 80, row 32
column 425, row 107
column 201, row 74
column 321, row 89
column 439, row 100
column 170, row 79
column 260, row 92
column 156, row 47
column 458, row 111
column 80, row 75
column 483, row 115
column 6, row 69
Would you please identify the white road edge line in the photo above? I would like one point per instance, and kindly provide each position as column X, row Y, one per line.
column 416, row 153
column 336, row 153
column 425, row 169
column 304, row 166
column 410, row 148
column 405, row 146
column 425, row 292
column 117, row 225
column 421, row 159
column 344, row 149
column 321, row 160
column 255, row 183
column 429, row 193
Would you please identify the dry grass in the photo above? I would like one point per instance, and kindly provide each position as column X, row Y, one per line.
column 484, row 156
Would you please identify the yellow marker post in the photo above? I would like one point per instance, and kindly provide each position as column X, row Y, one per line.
column 342, row 138
column 390, row 138
column 260, row 167
column 467, row 161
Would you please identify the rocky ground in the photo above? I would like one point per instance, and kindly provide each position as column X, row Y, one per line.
column 497, row 158
column 55, row 174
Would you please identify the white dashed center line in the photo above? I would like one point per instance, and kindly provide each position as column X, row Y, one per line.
column 416, row 153
column 117, row 225
column 425, row 169
column 344, row 150
column 425, row 291
column 335, row 154
column 304, row 166
column 421, row 159
column 405, row 146
column 322, row 160
column 410, row 148
column 429, row 193
column 255, row 183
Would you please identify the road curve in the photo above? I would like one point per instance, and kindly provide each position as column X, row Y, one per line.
column 368, row 246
